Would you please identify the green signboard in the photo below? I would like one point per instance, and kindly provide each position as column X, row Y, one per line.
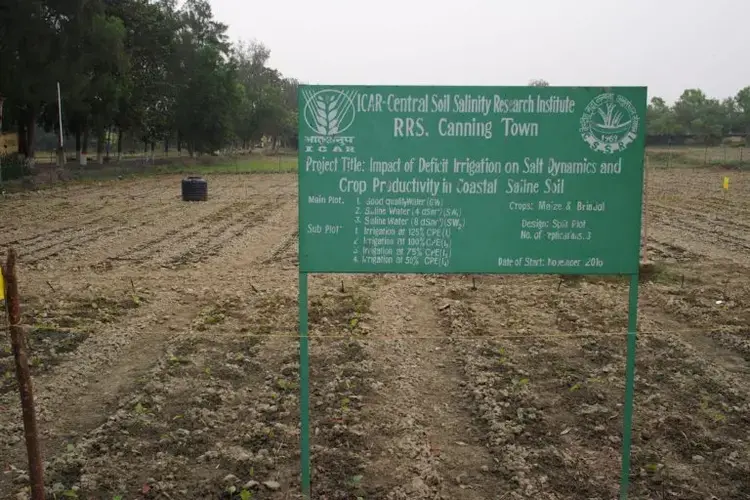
column 471, row 179
column 500, row 180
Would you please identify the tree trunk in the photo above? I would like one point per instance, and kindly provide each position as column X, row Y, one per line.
column 179, row 144
column 166, row 146
column 100, row 138
column 30, row 134
column 85, row 147
column 79, row 146
column 119, row 144
column 22, row 149
column 153, row 150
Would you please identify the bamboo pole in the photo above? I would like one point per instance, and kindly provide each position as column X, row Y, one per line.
column 18, row 343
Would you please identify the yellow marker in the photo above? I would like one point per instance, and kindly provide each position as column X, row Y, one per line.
column 2, row 287
column 726, row 183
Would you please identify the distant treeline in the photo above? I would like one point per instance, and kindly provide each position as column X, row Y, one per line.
column 697, row 118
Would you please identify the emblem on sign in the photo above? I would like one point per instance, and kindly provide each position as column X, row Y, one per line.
column 329, row 112
column 609, row 123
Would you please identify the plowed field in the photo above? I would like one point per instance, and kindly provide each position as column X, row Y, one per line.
column 164, row 352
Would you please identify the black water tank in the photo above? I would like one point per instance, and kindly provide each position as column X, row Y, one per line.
column 194, row 188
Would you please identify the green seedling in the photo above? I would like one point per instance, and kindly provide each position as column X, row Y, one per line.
column 245, row 495
column 286, row 385
column 353, row 322
column 715, row 415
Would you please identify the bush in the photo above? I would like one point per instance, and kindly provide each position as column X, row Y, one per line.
column 13, row 166
column 734, row 142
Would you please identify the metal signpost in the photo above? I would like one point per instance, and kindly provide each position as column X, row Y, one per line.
column 482, row 180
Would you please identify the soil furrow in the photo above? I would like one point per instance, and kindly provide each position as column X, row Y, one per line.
column 427, row 445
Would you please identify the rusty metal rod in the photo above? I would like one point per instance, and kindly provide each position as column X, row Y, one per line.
column 17, row 340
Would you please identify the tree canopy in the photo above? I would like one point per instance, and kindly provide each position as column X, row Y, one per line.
column 696, row 114
column 144, row 68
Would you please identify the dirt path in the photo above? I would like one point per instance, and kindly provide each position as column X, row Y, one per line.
column 425, row 444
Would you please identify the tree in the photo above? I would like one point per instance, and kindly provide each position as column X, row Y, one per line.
column 205, row 77
column 742, row 101
column 29, row 58
column 146, row 98
column 699, row 115
column 660, row 118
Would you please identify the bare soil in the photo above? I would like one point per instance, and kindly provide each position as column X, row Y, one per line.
column 165, row 359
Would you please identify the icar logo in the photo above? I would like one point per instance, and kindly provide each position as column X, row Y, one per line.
column 329, row 113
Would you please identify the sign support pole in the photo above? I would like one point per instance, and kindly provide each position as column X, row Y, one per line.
column 629, row 386
column 304, row 387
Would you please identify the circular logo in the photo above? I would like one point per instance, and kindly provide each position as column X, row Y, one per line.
column 609, row 123
column 329, row 112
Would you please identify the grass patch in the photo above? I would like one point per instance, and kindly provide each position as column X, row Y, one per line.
column 253, row 165
column 46, row 176
column 692, row 157
column 673, row 159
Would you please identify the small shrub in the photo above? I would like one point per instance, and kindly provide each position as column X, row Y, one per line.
column 14, row 167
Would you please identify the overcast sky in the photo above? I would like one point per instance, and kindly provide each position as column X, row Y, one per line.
column 667, row 45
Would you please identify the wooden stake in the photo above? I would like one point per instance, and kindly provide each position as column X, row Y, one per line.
column 17, row 340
